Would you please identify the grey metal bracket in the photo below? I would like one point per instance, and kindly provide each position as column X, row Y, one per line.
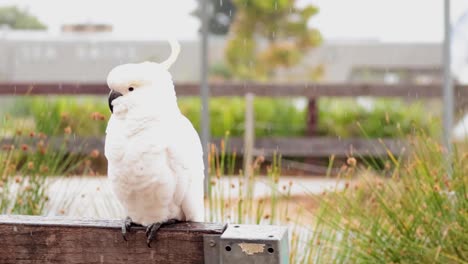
column 256, row 244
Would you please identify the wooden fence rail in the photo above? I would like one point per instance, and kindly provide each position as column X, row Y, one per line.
column 287, row 147
column 309, row 90
column 35, row 239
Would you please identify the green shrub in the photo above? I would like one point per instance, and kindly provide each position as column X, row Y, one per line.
column 85, row 116
column 338, row 117
column 273, row 117
column 388, row 118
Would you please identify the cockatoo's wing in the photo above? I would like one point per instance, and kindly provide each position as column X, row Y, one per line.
column 185, row 156
column 114, row 152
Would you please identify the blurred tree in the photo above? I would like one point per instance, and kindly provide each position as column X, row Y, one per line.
column 220, row 15
column 17, row 18
column 268, row 35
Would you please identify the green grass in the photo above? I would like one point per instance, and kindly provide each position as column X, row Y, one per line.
column 232, row 198
column 25, row 162
column 417, row 215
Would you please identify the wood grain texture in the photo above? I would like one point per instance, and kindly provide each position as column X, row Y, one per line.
column 310, row 90
column 32, row 239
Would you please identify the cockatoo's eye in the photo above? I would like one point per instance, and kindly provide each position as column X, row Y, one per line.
column 130, row 89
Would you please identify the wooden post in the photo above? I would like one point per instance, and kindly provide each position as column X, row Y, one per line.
column 312, row 124
column 36, row 239
column 249, row 134
column 312, row 118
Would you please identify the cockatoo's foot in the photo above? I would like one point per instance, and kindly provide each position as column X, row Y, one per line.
column 153, row 228
column 127, row 225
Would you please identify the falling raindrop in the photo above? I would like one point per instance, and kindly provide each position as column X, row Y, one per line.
column 220, row 2
column 276, row 5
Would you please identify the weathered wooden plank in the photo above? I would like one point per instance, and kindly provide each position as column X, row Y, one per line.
column 323, row 147
column 35, row 239
column 53, row 89
column 297, row 147
column 71, row 144
column 310, row 90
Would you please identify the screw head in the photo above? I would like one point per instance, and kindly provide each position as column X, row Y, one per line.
column 212, row 243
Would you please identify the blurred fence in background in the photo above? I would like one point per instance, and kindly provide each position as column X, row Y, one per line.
column 307, row 146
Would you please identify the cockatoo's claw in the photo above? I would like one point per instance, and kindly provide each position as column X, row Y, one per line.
column 153, row 228
column 126, row 226
column 151, row 232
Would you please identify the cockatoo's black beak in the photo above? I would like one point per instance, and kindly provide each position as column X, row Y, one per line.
column 113, row 95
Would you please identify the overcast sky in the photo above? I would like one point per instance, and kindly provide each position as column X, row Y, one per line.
column 385, row 20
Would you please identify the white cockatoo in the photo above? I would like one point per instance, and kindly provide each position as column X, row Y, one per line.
column 155, row 159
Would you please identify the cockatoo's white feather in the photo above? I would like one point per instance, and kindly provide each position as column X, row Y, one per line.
column 175, row 50
column 154, row 154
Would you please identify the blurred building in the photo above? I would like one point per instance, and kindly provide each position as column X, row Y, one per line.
column 87, row 28
column 31, row 56
column 71, row 56
column 373, row 61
